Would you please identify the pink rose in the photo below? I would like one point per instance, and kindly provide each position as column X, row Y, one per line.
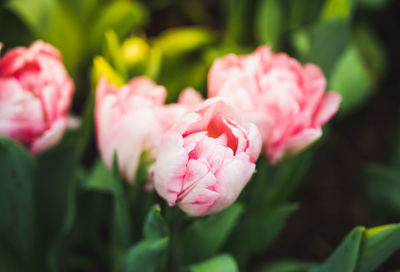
column 131, row 121
column 35, row 95
column 287, row 101
column 205, row 160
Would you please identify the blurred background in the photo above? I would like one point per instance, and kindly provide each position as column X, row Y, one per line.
column 354, row 174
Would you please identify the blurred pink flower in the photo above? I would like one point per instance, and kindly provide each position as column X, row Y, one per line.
column 287, row 101
column 131, row 121
column 35, row 95
column 205, row 160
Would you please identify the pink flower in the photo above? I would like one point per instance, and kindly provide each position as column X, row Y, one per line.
column 285, row 100
column 35, row 95
column 204, row 161
column 131, row 121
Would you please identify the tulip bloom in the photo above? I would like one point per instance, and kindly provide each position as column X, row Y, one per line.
column 287, row 101
column 205, row 160
column 131, row 120
column 35, row 95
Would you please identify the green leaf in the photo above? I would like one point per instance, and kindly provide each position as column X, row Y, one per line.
column 299, row 13
column 102, row 68
column 336, row 9
column 14, row 25
column 268, row 22
column 383, row 190
column 100, row 179
column 373, row 3
column 154, row 63
column 17, row 171
column 371, row 52
column 176, row 42
column 288, row 266
column 155, row 225
column 122, row 219
column 71, row 42
column 323, row 43
column 177, row 75
column 83, row 10
column 285, row 177
column 395, row 156
column 260, row 227
column 112, row 52
column 344, row 258
column 55, row 194
column 37, row 14
column 221, row 263
column 378, row 244
column 148, row 255
column 349, row 78
column 204, row 237
column 237, row 20
column 121, row 234
column 121, row 16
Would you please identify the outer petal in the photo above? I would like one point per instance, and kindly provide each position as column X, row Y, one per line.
column 231, row 179
column 170, row 167
column 50, row 137
column 255, row 143
column 37, row 101
column 128, row 135
column 106, row 99
column 297, row 143
column 328, row 108
column 21, row 115
column 190, row 97
column 147, row 88
column 196, row 196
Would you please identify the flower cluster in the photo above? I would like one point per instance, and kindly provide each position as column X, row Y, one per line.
column 35, row 95
column 203, row 151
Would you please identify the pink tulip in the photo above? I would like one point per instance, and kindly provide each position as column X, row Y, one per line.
column 35, row 95
column 287, row 101
column 205, row 160
column 131, row 121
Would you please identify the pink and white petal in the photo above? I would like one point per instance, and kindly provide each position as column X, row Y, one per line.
column 211, row 150
column 106, row 100
column 315, row 78
column 255, row 142
column 147, row 88
column 190, row 97
column 50, row 137
column 195, row 171
column 172, row 114
column 231, row 179
column 329, row 106
column 129, row 141
column 170, row 166
column 200, row 198
column 300, row 141
column 21, row 115
column 191, row 141
column 190, row 123
column 12, row 61
column 40, row 47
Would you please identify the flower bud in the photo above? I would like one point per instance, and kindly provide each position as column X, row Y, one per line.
column 287, row 101
column 206, row 159
column 35, row 95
